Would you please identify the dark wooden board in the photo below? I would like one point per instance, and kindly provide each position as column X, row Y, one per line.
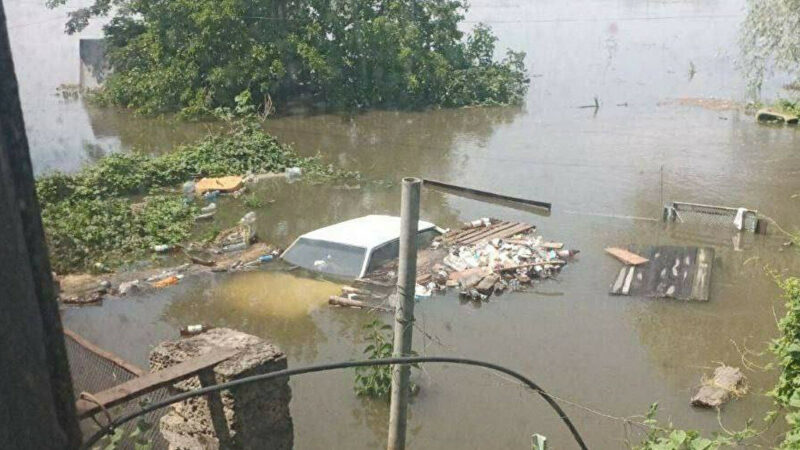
column 673, row 272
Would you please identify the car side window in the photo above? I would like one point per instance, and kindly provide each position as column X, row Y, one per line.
column 391, row 250
column 383, row 254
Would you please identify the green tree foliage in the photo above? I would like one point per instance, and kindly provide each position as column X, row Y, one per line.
column 196, row 55
column 769, row 39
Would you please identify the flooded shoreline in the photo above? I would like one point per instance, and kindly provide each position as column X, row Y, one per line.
column 600, row 171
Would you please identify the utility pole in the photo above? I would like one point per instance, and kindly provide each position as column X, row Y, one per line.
column 404, row 311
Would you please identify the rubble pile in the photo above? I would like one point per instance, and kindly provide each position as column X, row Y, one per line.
column 492, row 266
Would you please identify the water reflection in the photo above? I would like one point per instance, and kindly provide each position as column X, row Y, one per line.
column 272, row 304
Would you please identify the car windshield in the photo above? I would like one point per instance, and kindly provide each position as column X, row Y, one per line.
column 327, row 257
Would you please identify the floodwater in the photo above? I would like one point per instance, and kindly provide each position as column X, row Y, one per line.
column 604, row 172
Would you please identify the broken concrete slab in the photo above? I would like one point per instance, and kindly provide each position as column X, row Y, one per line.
column 486, row 285
column 251, row 416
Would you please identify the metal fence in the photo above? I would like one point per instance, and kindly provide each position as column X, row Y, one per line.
column 94, row 370
column 707, row 215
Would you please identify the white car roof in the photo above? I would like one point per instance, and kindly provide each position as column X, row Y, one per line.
column 366, row 232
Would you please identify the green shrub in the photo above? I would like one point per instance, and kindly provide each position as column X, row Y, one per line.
column 83, row 232
column 786, row 349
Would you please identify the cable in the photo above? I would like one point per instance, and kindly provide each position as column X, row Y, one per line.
column 332, row 366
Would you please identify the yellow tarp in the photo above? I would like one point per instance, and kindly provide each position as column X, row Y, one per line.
column 222, row 184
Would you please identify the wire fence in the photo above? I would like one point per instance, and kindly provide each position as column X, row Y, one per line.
column 94, row 370
column 711, row 216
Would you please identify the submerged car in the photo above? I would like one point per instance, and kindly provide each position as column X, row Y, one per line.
column 354, row 248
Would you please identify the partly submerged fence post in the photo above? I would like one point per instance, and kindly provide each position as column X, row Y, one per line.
column 404, row 312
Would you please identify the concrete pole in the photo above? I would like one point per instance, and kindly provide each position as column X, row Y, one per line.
column 404, row 312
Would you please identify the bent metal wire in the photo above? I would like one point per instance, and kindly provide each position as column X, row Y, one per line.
column 341, row 365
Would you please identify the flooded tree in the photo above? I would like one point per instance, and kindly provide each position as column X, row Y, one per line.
column 193, row 56
column 770, row 40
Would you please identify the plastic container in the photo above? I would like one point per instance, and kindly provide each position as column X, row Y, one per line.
column 234, row 247
column 248, row 218
column 293, row 173
column 265, row 258
column 188, row 188
column 162, row 248
column 566, row 254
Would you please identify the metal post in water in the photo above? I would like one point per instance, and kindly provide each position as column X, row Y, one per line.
column 404, row 311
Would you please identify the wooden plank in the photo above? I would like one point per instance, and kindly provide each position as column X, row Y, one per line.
column 502, row 233
column 617, row 286
column 701, row 284
column 626, row 286
column 626, row 256
column 347, row 302
column 492, row 195
column 520, row 228
column 152, row 381
column 497, row 232
column 552, row 245
column 481, row 230
column 554, row 262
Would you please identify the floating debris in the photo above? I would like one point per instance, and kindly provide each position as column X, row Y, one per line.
column 726, row 383
column 677, row 272
column 772, row 116
column 221, row 184
column 129, row 287
column 626, row 257
column 488, row 257
column 169, row 281
column 92, row 298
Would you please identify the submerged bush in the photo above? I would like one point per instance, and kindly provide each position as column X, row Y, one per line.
column 246, row 148
column 81, row 232
column 196, row 55
column 89, row 217
column 786, row 349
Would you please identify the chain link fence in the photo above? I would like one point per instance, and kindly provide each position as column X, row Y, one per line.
column 94, row 370
column 712, row 216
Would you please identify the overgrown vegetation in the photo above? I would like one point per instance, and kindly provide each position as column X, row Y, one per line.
column 786, row 349
column 788, row 106
column 667, row 437
column 90, row 217
column 196, row 55
column 376, row 381
column 769, row 39
column 786, row 393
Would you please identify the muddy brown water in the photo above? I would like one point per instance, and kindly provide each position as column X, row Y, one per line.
column 615, row 355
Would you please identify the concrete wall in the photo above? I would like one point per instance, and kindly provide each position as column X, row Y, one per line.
column 94, row 64
column 254, row 416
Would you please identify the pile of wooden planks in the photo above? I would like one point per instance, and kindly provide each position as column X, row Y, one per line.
column 496, row 230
